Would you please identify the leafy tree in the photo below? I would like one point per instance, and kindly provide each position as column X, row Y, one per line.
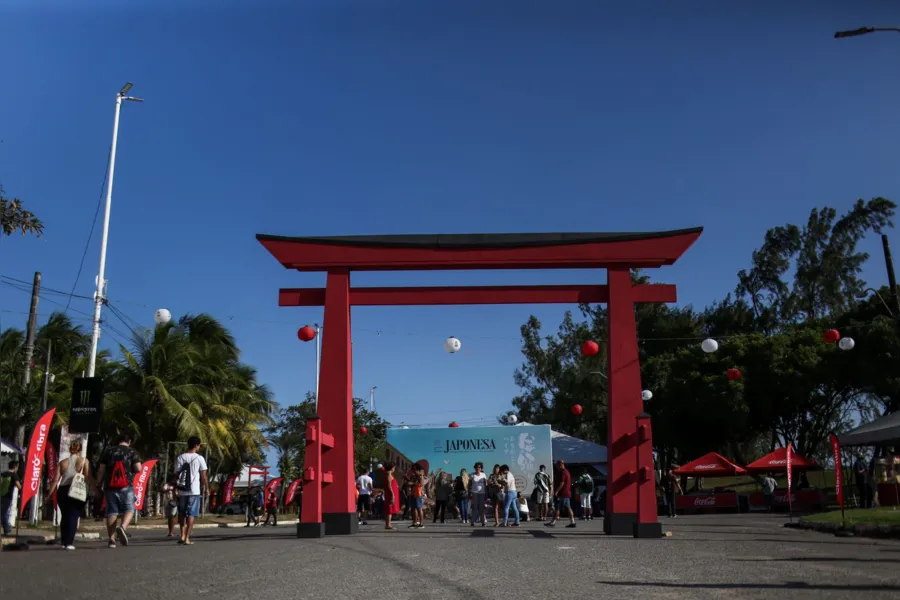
column 14, row 217
column 795, row 388
column 288, row 435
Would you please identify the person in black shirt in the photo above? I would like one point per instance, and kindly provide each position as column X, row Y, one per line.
column 9, row 481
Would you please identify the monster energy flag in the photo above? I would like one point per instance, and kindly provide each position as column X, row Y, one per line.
column 87, row 405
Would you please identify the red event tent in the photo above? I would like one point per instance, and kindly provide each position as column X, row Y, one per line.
column 777, row 461
column 710, row 465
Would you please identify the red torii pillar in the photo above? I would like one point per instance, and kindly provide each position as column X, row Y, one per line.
column 631, row 488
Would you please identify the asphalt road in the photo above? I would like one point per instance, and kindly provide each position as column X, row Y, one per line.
column 740, row 556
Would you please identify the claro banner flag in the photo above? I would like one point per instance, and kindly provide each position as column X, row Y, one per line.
column 291, row 492
column 142, row 483
column 34, row 460
column 838, row 470
column 273, row 485
column 228, row 494
column 444, row 451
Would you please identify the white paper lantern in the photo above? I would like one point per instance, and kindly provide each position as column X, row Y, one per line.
column 646, row 395
column 709, row 345
column 512, row 419
column 846, row 343
column 452, row 345
column 162, row 316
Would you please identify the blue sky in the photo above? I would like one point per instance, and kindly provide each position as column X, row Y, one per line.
column 339, row 117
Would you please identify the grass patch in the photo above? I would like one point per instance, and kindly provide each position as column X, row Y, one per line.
column 860, row 516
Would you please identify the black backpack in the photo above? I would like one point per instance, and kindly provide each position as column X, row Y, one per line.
column 184, row 479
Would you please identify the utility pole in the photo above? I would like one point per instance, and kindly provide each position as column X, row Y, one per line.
column 889, row 265
column 100, row 292
column 30, row 332
column 46, row 376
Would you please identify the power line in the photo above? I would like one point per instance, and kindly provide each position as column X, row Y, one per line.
column 87, row 244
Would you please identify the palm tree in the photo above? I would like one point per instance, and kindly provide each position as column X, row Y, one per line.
column 184, row 379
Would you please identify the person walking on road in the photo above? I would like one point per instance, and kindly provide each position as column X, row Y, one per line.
column 508, row 483
column 671, row 488
column 391, row 496
column 364, row 485
column 272, row 509
column 9, row 482
column 562, row 494
column 191, row 484
column 118, row 465
column 478, row 493
column 542, row 498
column 585, row 492
column 71, row 504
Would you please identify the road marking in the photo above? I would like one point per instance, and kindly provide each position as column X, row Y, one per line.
column 565, row 548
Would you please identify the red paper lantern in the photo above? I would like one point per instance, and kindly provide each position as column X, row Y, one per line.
column 733, row 374
column 577, row 410
column 590, row 348
column 831, row 336
column 306, row 333
column 454, row 424
column 363, row 430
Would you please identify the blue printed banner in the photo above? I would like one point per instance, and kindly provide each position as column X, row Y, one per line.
column 450, row 449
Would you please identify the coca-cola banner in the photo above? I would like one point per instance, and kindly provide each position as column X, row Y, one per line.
column 52, row 468
column 34, row 460
column 291, row 491
column 142, row 483
column 228, row 491
column 838, row 470
column 700, row 501
column 804, row 499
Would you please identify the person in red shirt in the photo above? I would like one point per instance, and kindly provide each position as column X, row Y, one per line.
column 272, row 509
column 562, row 493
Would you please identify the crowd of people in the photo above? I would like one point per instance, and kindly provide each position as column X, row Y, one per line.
column 111, row 487
column 473, row 498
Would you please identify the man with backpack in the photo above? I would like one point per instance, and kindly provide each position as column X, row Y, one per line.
column 586, row 492
column 118, row 465
column 191, row 484
column 9, row 481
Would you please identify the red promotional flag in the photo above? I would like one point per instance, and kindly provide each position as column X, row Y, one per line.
column 789, row 464
column 272, row 485
column 52, row 467
column 34, row 460
column 291, row 491
column 228, row 493
column 838, row 470
column 142, row 483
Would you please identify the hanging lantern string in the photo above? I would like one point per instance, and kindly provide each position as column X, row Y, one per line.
column 20, row 286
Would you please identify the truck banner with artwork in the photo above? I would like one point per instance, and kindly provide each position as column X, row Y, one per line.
column 444, row 451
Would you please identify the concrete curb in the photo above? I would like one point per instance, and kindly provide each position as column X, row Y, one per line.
column 889, row 532
column 197, row 526
column 43, row 538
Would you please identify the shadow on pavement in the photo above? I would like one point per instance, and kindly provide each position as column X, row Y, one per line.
column 790, row 585
column 814, row 559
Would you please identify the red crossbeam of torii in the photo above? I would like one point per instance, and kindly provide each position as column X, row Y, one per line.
column 631, row 493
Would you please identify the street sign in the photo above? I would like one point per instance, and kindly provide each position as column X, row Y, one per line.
column 87, row 405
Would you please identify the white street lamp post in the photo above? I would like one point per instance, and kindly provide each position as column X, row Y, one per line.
column 99, row 295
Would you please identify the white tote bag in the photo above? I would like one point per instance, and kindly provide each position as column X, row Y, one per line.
column 78, row 490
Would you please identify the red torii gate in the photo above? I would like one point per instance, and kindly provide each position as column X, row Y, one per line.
column 631, row 488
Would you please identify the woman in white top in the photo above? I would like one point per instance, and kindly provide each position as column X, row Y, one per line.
column 478, row 494
column 70, row 508
column 509, row 487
